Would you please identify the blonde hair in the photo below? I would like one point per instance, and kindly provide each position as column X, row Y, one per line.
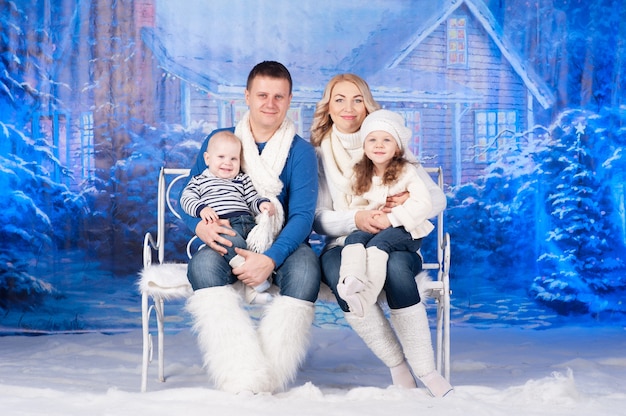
column 322, row 123
column 226, row 136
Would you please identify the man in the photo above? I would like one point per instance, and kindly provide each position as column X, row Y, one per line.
column 283, row 168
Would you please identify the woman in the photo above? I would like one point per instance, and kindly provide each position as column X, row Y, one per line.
column 346, row 102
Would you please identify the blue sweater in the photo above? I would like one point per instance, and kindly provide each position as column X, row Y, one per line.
column 298, row 197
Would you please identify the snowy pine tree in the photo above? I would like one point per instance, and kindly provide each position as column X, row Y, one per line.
column 575, row 267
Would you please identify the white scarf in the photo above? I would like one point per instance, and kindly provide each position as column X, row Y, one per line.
column 264, row 170
column 340, row 152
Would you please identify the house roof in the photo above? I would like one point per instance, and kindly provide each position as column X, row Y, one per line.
column 213, row 45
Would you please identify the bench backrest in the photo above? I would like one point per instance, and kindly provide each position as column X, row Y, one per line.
column 167, row 201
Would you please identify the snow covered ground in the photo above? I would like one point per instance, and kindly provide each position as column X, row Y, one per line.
column 497, row 371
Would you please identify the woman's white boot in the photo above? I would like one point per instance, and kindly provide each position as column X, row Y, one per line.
column 411, row 325
column 375, row 330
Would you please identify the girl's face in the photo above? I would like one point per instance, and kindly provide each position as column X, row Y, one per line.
column 380, row 147
column 347, row 107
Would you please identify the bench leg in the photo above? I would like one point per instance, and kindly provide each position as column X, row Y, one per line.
column 158, row 303
column 147, row 341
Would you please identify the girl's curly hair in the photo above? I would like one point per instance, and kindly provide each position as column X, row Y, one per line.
column 364, row 171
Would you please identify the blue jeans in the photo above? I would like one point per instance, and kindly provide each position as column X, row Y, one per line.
column 400, row 286
column 388, row 240
column 242, row 225
column 298, row 277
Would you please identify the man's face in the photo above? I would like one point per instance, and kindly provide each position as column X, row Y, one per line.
column 268, row 100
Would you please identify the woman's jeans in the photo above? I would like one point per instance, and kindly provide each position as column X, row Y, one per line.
column 400, row 286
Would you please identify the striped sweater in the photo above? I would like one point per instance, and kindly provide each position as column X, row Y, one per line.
column 227, row 197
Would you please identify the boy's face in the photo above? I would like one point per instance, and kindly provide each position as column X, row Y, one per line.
column 223, row 157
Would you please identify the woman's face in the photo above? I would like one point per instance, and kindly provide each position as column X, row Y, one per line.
column 347, row 107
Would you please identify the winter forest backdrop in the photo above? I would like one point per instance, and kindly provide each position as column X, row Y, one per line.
column 522, row 103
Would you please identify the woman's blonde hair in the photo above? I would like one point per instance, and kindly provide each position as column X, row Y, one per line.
column 322, row 123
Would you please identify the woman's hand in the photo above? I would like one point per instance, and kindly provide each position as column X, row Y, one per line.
column 257, row 268
column 370, row 221
column 209, row 233
column 395, row 200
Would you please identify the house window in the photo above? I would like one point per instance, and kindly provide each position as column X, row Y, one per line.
column 494, row 130
column 86, row 151
column 414, row 122
column 457, row 42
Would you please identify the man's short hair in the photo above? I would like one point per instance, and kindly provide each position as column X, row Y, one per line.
column 271, row 69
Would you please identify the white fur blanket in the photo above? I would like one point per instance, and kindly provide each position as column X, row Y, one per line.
column 169, row 280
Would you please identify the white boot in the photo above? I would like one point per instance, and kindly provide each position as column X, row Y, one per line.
column 284, row 333
column 228, row 341
column 253, row 295
column 256, row 296
column 352, row 262
column 411, row 325
column 374, row 329
column 358, row 297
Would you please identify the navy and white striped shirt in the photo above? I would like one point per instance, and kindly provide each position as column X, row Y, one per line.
column 228, row 197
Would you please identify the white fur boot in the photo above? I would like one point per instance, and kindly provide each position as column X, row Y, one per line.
column 228, row 341
column 411, row 325
column 284, row 334
column 374, row 329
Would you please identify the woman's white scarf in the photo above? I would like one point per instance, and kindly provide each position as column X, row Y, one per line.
column 338, row 169
column 264, row 170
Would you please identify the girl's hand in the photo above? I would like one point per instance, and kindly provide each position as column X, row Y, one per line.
column 368, row 221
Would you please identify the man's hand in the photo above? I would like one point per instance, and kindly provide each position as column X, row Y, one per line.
column 257, row 268
column 369, row 221
column 209, row 233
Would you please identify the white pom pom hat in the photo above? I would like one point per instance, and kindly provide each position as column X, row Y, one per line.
column 390, row 122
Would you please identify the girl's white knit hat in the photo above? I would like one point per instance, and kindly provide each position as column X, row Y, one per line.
column 388, row 121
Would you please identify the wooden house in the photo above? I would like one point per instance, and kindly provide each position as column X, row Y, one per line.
column 444, row 64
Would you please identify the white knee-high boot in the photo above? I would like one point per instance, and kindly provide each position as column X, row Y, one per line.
column 374, row 329
column 284, row 334
column 228, row 341
column 365, row 293
column 352, row 262
column 411, row 325
column 376, row 274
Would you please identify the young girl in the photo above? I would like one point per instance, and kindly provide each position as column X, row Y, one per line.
column 382, row 171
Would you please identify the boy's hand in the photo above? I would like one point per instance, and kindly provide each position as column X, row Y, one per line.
column 268, row 207
column 208, row 215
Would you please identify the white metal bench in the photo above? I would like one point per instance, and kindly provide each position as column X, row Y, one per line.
column 160, row 280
